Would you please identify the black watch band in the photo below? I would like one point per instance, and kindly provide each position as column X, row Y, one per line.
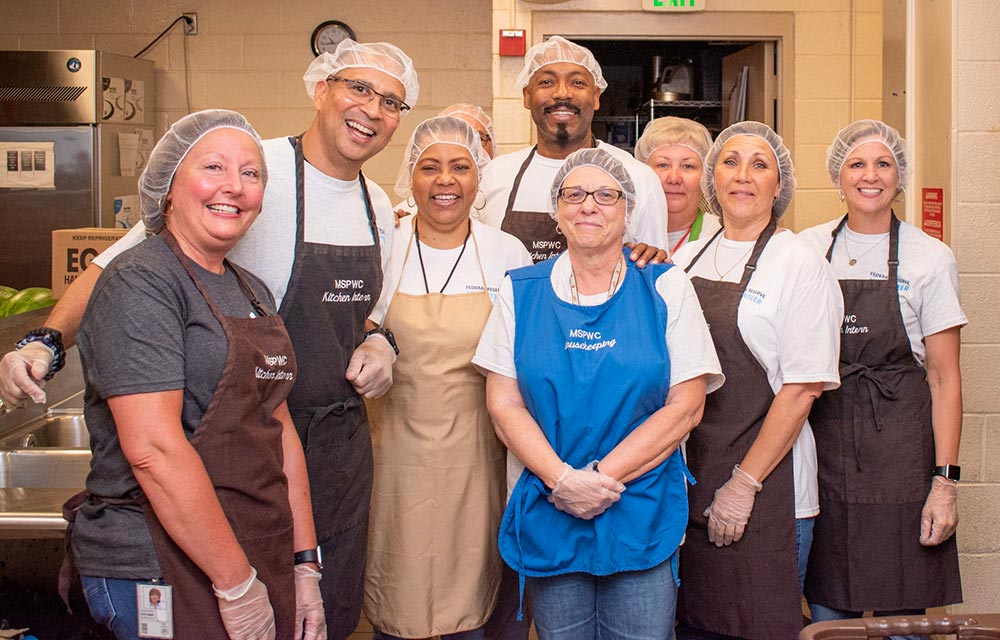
column 51, row 338
column 310, row 555
column 385, row 333
column 949, row 471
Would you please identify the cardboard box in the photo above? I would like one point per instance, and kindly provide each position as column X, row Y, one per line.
column 72, row 251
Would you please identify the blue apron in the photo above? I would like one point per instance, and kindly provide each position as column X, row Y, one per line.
column 589, row 376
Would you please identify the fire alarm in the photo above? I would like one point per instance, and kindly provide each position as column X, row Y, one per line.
column 512, row 42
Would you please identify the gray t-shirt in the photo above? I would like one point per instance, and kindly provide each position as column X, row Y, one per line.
column 147, row 328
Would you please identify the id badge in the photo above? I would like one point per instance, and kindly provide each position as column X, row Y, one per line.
column 155, row 610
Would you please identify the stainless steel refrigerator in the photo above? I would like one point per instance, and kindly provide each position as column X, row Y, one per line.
column 75, row 130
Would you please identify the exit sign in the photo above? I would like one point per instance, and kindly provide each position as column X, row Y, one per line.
column 673, row 5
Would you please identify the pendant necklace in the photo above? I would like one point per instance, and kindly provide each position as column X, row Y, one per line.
column 722, row 275
column 612, row 286
column 847, row 249
column 420, row 256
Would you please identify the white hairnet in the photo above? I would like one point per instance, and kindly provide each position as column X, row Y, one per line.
column 170, row 151
column 380, row 56
column 786, row 170
column 473, row 111
column 671, row 130
column 595, row 157
column 438, row 130
column 856, row 134
column 559, row 49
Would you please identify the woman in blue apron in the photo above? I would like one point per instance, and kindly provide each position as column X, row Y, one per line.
column 774, row 309
column 596, row 373
column 888, row 438
column 675, row 149
column 198, row 482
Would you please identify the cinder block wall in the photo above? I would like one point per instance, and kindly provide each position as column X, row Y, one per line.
column 976, row 219
column 250, row 56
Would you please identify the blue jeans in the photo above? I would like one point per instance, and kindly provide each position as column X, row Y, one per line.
column 820, row 613
column 630, row 605
column 112, row 603
column 472, row 634
column 803, row 543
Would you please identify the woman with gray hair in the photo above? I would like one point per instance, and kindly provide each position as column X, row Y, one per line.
column 596, row 371
column 675, row 149
column 198, row 481
column 774, row 311
column 888, row 438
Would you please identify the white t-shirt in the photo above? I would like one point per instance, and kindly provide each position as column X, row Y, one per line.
column 649, row 220
column 709, row 225
column 789, row 318
column 498, row 252
column 689, row 343
column 335, row 215
column 927, row 278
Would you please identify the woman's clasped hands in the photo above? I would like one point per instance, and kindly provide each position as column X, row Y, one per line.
column 585, row 493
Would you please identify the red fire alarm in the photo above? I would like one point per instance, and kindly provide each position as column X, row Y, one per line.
column 512, row 42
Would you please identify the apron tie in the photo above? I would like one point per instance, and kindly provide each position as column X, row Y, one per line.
column 884, row 381
column 336, row 409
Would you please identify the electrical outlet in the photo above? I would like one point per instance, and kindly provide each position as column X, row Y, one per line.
column 191, row 24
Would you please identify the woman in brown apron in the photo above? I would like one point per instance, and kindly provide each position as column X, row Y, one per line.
column 888, row 439
column 433, row 565
column 198, row 482
column 773, row 311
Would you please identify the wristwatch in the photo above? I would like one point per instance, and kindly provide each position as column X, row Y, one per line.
column 52, row 339
column 949, row 471
column 386, row 334
column 310, row 555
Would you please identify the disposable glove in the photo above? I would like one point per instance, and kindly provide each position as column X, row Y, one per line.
column 940, row 515
column 22, row 373
column 370, row 368
column 246, row 610
column 310, row 620
column 585, row 493
column 729, row 512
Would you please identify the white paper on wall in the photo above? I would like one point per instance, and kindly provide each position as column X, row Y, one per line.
column 28, row 165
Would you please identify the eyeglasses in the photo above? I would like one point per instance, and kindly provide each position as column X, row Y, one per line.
column 576, row 195
column 363, row 94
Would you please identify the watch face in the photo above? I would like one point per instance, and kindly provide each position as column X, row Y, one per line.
column 327, row 35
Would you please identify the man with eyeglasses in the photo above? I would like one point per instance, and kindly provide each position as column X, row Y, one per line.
column 321, row 245
column 562, row 85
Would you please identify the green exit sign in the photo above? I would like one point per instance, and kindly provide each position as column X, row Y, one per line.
column 673, row 5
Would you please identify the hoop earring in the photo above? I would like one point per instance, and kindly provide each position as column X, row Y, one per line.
column 842, row 195
column 479, row 207
column 900, row 195
column 559, row 230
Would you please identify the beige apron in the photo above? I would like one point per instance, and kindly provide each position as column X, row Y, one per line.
column 433, row 565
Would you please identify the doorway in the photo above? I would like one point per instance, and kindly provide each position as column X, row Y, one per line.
column 714, row 82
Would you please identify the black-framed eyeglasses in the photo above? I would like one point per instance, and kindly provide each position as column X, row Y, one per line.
column 576, row 195
column 363, row 94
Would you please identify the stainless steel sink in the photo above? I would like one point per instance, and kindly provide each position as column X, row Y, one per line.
column 63, row 431
column 44, row 468
column 51, row 451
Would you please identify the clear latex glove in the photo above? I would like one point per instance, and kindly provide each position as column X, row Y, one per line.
column 246, row 610
column 729, row 512
column 584, row 493
column 22, row 373
column 370, row 368
column 940, row 515
column 310, row 620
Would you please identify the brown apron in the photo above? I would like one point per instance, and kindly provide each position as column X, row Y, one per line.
column 750, row 588
column 239, row 442
column 536, row 229
column 328, row 413
column 433, row 564
column 875, row 442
